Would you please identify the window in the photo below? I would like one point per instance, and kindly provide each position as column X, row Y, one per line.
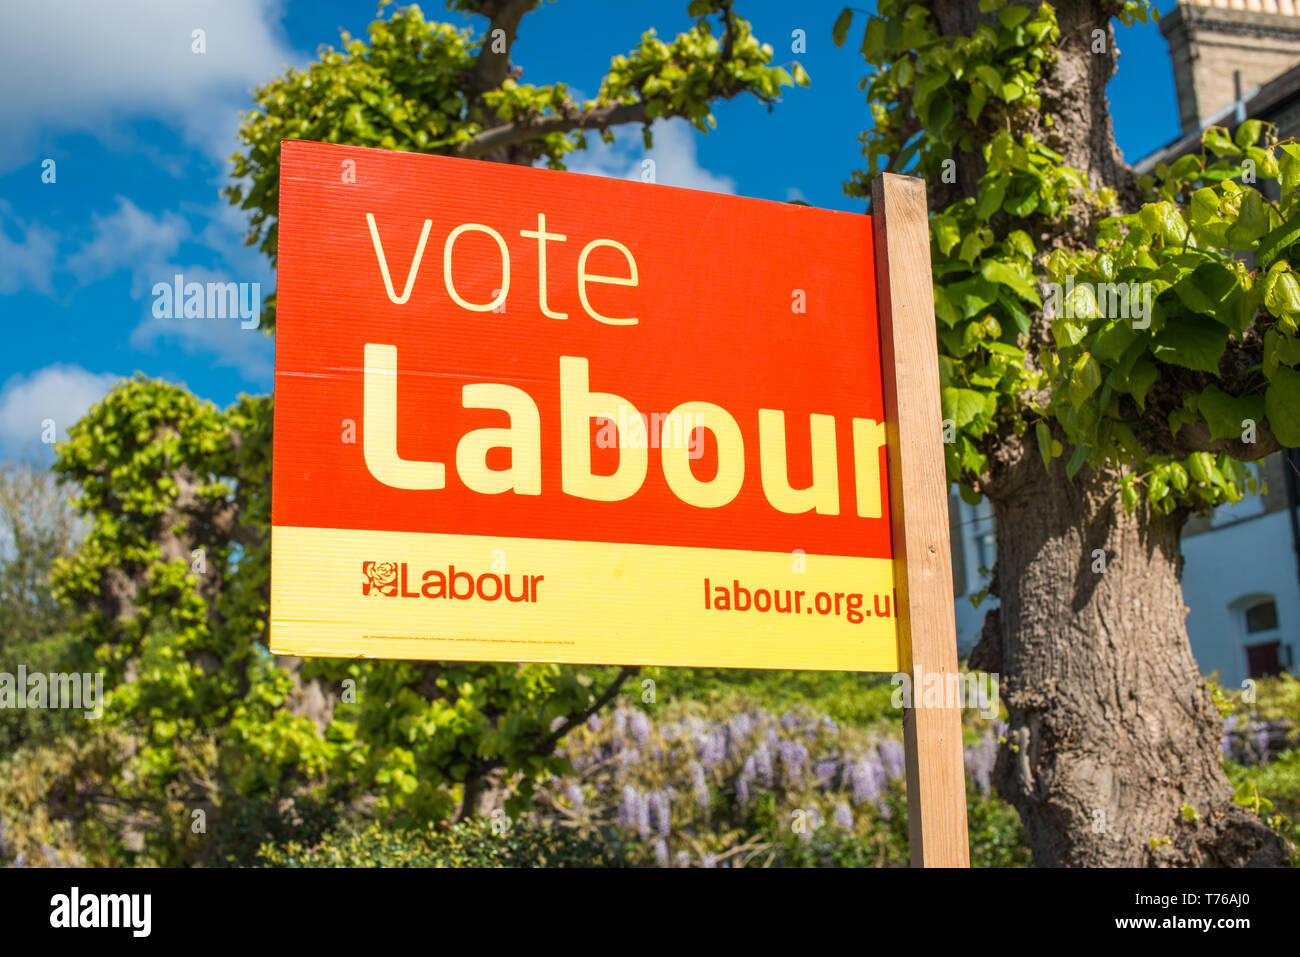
column 988, row 552
column 1263, row 643
column 1261, row 617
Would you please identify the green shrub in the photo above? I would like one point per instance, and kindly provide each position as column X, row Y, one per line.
column 1272, row 791
column 240, row 835
column 465, row 844
column 848, row 697
column 715, row 786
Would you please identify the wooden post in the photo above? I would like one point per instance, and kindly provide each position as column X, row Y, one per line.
column 918, row 495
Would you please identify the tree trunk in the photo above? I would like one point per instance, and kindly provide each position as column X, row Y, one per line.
column 1114, row 738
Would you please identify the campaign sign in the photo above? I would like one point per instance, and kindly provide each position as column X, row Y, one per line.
column 527, row 415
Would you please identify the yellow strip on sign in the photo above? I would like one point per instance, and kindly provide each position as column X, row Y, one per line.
column 371, row 594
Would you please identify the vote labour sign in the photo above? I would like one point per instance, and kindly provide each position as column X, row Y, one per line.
column 525, row 415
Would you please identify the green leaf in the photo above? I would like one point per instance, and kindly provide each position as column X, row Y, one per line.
column 1264, row 162
column 1067, row 333
column 1282, row 291
column 1128, row 497
column 1077, row 458
column 1204, row 206
column 990, row 197
column 1188, row 167
column 939, row 112
column 974, row 244
column 873, row 40
column 1114, row 341
column 1216, row 140
column 1140, row 381
column 988, row 76
column 1289, row 166
column 1164, row 220
column 1001, row 348
column 839, row 32
column 961, row 405
column 1193, row 342
column 1018, row 314
column 1023, row 204
column 1278, row 241
column 1252, row 222
column 944, row 310
column 1178, row 477
column 999, row 272
column 1282, row 403
column 1019, row 240
column 972, row 460
column 1224, row 413
column 1207, row 287
column 1201, row 467
column 946, row 233
column 972, row 295
column 1279, row 350
column 1085, row 378
column 1012, row 17
column 1248, row 133
column 1044, row 436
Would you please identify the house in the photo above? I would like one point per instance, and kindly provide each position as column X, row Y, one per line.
column 1233, row 60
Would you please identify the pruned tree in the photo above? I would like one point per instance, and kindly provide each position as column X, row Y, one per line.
column 1093, row 424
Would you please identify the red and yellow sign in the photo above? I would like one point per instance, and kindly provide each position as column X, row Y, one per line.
column 523, row 415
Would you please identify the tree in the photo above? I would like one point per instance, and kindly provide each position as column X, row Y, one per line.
column 172, row 580
column 36, row 528
column 1094, row 430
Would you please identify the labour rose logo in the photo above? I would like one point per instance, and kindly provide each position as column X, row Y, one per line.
column 381, row 578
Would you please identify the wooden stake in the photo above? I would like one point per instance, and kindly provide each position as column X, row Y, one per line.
column 918, row 494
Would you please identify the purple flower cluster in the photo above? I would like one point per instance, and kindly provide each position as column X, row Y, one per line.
column 640, row 726
column 634, row 811
column 1254, row 741
column 574, row 793
column 663, row 783
column 844, row 816
column 980, row 758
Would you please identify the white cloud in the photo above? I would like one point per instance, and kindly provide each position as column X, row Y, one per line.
column 150, row 247
column 250, row 351
column 676, row 162
column 58, row 393
column 90, row 66
column 130, row 238
column 224, row 233
column 27, row 261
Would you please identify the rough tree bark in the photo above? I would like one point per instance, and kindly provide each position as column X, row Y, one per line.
column 1112, row 728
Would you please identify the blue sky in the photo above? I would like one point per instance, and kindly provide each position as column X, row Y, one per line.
column 140, row 130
